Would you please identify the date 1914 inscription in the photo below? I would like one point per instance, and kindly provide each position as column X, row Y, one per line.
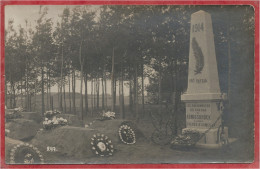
column 198, row 27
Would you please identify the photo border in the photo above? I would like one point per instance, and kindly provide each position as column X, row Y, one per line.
column 255, row 4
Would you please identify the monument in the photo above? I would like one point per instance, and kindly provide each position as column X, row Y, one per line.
column 203, row 97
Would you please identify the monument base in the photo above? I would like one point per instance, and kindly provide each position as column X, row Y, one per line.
column 212, row 137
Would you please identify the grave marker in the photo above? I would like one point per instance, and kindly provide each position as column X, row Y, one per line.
column 203, row 98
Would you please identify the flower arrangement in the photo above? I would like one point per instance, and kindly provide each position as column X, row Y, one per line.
column 189, row 137
column 25, row 153
column 51, row 113
column 126, row 134
column 109, row 115
column 55, row 122
column 102, row 145
column 18, row 109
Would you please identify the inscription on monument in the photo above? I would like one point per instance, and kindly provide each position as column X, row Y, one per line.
column 198, row 114
column 199, row 27
column 193, row 80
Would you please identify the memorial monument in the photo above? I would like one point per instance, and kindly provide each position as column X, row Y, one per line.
column 203, row 97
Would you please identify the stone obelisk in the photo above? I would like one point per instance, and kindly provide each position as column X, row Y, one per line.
column 203, row 98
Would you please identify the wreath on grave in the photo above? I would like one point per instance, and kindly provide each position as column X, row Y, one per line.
column 102, row 145
column 25, row 153
column 127, row 134
column 187, row 138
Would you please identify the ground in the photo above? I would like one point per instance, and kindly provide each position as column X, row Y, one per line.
column 146, row 151
column 149, row 152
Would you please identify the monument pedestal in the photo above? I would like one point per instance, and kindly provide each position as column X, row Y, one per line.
column 203, row 98
column 203, row 114
column 212, row 137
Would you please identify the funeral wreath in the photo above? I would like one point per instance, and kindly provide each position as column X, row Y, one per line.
column 101, row 145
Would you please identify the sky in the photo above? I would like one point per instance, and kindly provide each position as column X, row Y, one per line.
column 20, row 13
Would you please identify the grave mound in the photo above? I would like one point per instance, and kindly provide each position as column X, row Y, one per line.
column 72, row 120
column 32, row 116
column 22, row 129
column 75, row 142
column 67, row 140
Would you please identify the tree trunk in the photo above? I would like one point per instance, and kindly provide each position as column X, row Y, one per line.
column 94, row 93
column 130, row 96
column 69, row 93
column 26, row 85
column 171, row 87
column 52, row 103
column 14, row 99
column 10, row 98
column 229, row 70
column 105, row 91
column 35, row 92
column 47, row 94
column 136, row 94
column 61, row 78
column 97, row 88
column 58, row 89
column 115, row 91
column 6, row 94
column 103, row 99
column 122, row 96
column 21, row 95
column 81, row 82
column 176, row 98
column 30, row 102
column 130, row 91
column 49, row 89
column 74, row 91
column 92, row 100
column 81, row 95
column 86, row 94
column 160, row 88
column 143, row 110
column 64, row 98
column 112, row 82
column 43, row 106
column 60, row 97
column 121, row 88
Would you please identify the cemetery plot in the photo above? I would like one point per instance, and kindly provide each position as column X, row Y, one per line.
column 129, row 84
